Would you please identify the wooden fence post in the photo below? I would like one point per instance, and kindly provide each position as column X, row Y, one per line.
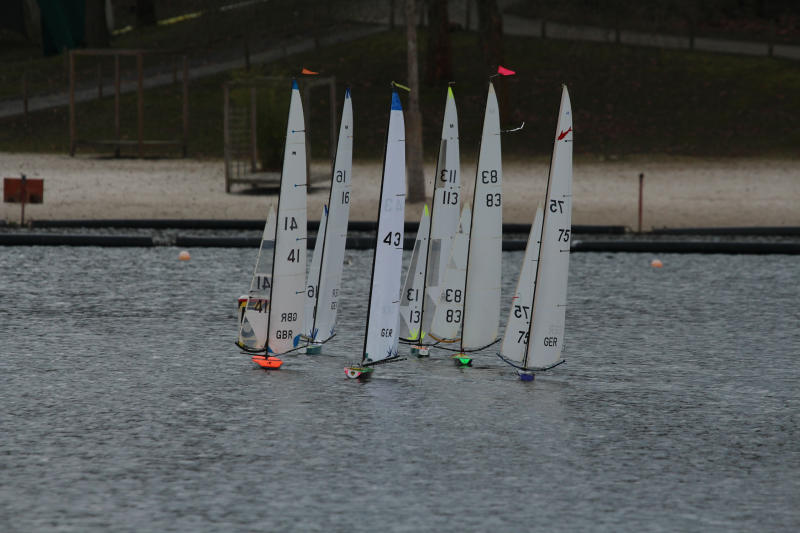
column 185, row 104
column 641, row 187
column 116, row 105
column 140, row 101
column 226, row 134
column 253, row 131
column 332, row 85
column 71, row 103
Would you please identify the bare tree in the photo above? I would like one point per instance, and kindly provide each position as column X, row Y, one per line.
column 96, row 34
column 414, row 170
column 439, row 62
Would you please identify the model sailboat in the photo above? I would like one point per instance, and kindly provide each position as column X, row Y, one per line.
column 446, row 326
column 433, row 260
column 284, row 318
column 543, row 283
column 481, row 316
column 254, row 306
column 414, row 286
column 381, row 337
column 325, row 275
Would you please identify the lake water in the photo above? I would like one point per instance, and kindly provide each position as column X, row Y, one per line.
column 126, row 406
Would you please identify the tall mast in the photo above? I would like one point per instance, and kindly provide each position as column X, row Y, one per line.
column 378, row 226
column 325, row 233
column 277, row 223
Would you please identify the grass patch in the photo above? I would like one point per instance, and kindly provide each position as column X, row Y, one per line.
column 626, row 100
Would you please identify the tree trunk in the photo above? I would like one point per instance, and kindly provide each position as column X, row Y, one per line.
column 414, row 170
column 96, row 30
column 491, row 30
column 490, row 24
column 439, row 63
column 145, row 13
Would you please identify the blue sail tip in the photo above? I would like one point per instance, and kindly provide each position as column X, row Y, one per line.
column 347, row 92
column 396, row 105
column 294, row 85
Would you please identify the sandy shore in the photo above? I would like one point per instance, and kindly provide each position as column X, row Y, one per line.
column 678, row 191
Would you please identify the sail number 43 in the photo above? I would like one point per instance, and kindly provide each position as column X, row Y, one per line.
column 393, row 238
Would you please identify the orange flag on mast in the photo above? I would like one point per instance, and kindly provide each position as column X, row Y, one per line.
column 308, row 72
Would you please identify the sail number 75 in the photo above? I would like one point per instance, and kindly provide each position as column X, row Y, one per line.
column 556, row 206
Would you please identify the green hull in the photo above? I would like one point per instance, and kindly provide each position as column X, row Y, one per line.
column 461, row 360
column 313, row 349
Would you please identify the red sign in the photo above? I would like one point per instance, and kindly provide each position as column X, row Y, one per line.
column 15, row 189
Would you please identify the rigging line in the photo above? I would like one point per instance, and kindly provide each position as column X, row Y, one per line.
column 438, row 340
column 462, row 350
column 245, row 349
column 541, row 369
column 292, row 350
column 311, row 341
column 394, row 359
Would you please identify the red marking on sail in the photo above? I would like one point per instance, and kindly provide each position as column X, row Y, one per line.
column 564, row 133
column 503, row 71
column 308, row 72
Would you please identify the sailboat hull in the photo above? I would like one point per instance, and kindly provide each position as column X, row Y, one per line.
column 312, row 349
column 272, row 363
column 358, row 372
column 420, row 351
column 461, row 360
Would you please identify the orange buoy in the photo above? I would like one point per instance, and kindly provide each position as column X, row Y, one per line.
column 656, row 263
column 184, row 255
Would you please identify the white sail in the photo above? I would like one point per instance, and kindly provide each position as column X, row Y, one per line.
column 313, row 278
column 253, row 325
column 384, row 305
column 445, row 210
column 515, row 339
column 414, row 286
column 450, row 311
column 482, row 298
column 546, row 338
column 335, row 235
column 289, row 265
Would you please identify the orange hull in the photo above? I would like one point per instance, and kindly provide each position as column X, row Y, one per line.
column 267, row 362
